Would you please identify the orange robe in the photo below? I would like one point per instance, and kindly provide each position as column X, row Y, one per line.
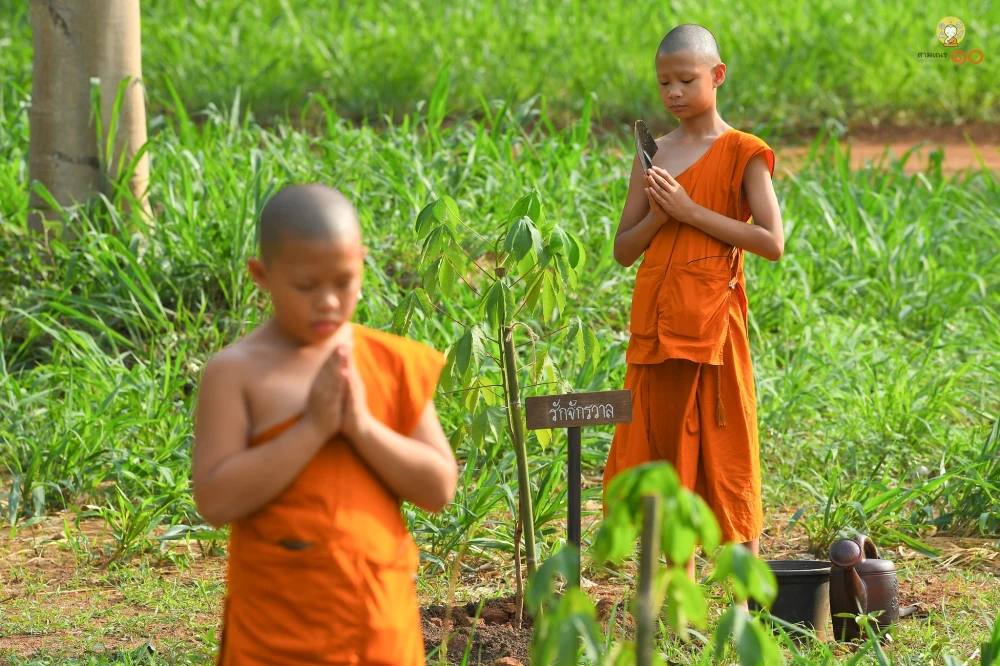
column 689, row 369
column 350, row 597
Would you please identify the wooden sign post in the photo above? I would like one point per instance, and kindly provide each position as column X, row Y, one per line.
column 572, row 411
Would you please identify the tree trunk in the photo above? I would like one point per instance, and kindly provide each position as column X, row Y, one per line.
column 63, row 153
column 114, row 49
column 75, row 40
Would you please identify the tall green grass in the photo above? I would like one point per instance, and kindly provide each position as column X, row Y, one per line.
column 874, row 338
column 800, row 64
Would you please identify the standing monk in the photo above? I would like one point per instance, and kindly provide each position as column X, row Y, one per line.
column 689, row 366
column 309, row 432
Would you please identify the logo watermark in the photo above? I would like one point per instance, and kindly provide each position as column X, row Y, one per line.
column 950, row 31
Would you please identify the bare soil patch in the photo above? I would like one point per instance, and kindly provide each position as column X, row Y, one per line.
column 962, row 147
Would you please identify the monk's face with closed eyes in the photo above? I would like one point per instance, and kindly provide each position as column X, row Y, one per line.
column 688, row 83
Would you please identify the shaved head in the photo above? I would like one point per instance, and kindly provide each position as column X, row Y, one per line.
column 694, row 39
column 306, row 212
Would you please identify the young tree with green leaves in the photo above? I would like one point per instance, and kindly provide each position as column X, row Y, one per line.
column 519, row 273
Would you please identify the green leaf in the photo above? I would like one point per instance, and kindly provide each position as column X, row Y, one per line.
column 678, row 539
column 472, row 397
column 38, row 500
column 544, row 438
column 615, row 537
column 14, row 500
column 490, row 397
column 691, row 598
column 430, row 280
column 549, row 302
column 756, row 647
column 479, row 345
column 463, row 353
column 748, row 647
column 460, row 262
column 525, row 265
column 510, row 303
column 523, row 238
column 424, row 300
column 480, row 426
column 567, row 272
column 534, row 293
column 447, row 278
column 591, row 348
column 560, row 291
column 726, row 628
column 437, row 241
column 574, row 338
column 723, row 567
column 577, row 255
column 541, row 586
column 527, row 206
column 402, row 316
column 762, row 584
column 456, row 438
column 424, row 220
column 449, row 214
column 559, row 242
column 443, row 211
column 495, row 306
column 538, row 363
column 499, row 305
column 498, row 420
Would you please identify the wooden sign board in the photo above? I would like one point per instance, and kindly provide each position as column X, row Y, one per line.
column 573, row 410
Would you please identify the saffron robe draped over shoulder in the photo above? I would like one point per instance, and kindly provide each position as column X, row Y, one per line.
column 689, row 368
column 326, row 572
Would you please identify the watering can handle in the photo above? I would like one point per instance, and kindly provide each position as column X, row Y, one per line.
column 868, row 549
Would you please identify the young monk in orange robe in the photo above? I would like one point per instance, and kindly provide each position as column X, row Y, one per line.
column 688, row 358
column 309, row 432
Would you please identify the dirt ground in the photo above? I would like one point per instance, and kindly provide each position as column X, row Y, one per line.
column 40, row 578
column 876, row 145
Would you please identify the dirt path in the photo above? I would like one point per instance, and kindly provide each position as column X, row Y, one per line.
column 879, row 145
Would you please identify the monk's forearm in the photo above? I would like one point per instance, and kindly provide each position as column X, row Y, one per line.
column 245, row 482
column 630, row 244
column 413, row 470
column 750, row 237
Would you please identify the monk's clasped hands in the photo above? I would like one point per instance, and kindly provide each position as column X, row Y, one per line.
column 667, row 197
column 338, row 402
column 357, row 417
column 325, row 404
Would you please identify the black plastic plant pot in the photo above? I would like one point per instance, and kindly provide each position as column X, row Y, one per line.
column 803, row 594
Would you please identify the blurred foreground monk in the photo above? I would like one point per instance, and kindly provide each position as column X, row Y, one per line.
column 308, row 434
column 689, row 366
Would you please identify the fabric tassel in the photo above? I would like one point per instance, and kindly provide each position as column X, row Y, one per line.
column 720, row 409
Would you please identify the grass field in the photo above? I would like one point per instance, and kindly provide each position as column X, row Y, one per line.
column 796, row 67
column 875, row 337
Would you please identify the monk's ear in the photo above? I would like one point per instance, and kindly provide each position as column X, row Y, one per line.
column 718, row 75
column 258, row 271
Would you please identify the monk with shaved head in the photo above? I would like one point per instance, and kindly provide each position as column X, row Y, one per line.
column 707, row 200
column 309, row 432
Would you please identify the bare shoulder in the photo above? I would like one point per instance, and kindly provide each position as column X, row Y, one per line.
column 668, row 140
column 231, row 362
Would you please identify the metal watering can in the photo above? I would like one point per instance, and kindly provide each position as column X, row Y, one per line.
column 859, row 578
